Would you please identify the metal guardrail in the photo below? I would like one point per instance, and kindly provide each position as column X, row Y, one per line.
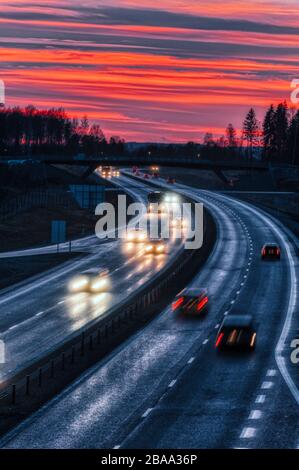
column 88, row 345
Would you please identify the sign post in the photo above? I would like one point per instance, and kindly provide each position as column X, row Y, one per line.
column 58, row 232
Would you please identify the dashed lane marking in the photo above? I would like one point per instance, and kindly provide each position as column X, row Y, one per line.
column 255, row 414
column 247, row 433
column 260, row 399
column 266, row 385
column 147, row 412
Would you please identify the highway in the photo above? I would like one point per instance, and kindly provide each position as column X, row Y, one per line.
column 40, row 314
column 167, row 386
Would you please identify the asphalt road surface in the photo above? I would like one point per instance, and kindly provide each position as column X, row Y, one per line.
column 41, row 313
column 167, row 387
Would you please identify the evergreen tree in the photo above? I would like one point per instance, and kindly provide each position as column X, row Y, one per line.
column 251, row 130
column 281, row 131
column 269, row 133
column 293, row 140
column 231, row 136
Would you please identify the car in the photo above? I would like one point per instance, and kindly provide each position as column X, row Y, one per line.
column 172, row 198
column 170, row 180
column 270, row 251
column 91, row 280
column 237, row 332
column 155, row 246
column 146, row 176
column 155, row 202
column 191, row 301
column 115, row 172
column 136, row 235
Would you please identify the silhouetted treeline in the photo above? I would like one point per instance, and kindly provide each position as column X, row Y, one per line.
column 276, row 139
column 30, row 131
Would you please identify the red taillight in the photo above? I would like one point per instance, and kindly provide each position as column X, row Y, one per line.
column 278, row 251
column 178, row 302
column 202, row 303
column 219, row 339
column 263, row 251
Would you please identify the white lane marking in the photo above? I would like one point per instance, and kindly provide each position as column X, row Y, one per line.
column 225, row 313
column 281, row 232
column 255, row 414
column 61, row 302
column 271, row 372
column 172, row 383
column 39, row 313
column 266, row 385
column 147, row 412
column 242, row 284
column 260, row 399
column 232, row 302
column 205, row 341
column 116, row 447
column 238, row 292
column 191, row 360
column 217, row 326
column 13, row 327
column 247, row 433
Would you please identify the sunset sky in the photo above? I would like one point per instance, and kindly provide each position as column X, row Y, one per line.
column 167, row 70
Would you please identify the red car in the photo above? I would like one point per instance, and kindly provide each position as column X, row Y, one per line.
column 270, row 251
column 191, row 301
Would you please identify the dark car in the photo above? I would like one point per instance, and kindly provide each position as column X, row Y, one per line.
column 270, row 251
column 191, row 301
column 237, row 332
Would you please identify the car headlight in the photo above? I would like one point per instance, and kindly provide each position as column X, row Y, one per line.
column 78, row 284
column 99, row 284
column 149, row 247
column 160, row 248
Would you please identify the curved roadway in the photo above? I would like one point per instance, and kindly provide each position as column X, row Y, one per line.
column 167, row 387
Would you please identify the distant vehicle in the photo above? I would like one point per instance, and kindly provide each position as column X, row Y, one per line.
column 191, row 301
column 237, row 332
column 136, row 235
column 155, row 246
column 270, row 251
column 92, row 280
column 134, row 169
column 156, row 175
column 115, row 172
column 154, row 168
column 171, row 198
column 106, row 172
column 146, row 176
column 170, row 180
column 155, row 200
